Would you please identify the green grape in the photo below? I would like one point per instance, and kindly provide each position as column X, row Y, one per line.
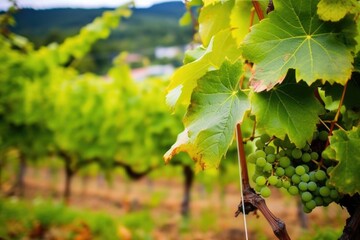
column 329, row 169
column 260, row 180
column 305, row 177
column 284, row 162
column 327, row 201
column 320, row 175
column 334, row 194
column 289, row 171
column 312, row 186
column 265, row 138
column 280, row 171
column 323, row 136
column 306, row 210
column 296, row 153
column 306, row 157
column 303, row 186
column 296, row 179
column 259, row 144
column 315, row 135
column 307, row 169
column 258, row 188
column 306, row 148
column 260, row 153
column 288, row 152
column 254, row 177
column 281, row 154
column 261, row 162
column 306, row 196
column 286, row 184
column 265, row 192
column 270, row 158
column 319, row 201
column 269, row 150
column 252, row 158
column 314, row 155
column 324, row 191
column 273, row 180
column 293, row 190
column 300, row 170
column 278, row 142
column 312, row 176
column 310, row 204
column 279, row 184
column 267, row 167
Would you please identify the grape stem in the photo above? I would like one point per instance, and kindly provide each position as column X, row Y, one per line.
column 253, row 201
column 258, row 9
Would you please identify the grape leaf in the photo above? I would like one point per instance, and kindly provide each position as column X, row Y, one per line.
column 214, row 18
column 345, row 176
column 183, row 81
column 217, row 105
column 334, row 10
column 288, row 109
column 294, row 37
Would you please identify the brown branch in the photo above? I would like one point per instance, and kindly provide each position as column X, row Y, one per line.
column 131, row 172
column 253, row 201
column 258, row 9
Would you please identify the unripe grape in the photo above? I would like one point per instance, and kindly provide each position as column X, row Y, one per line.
column 278, row 142
column 334, row 194
column 306, row 210
column 269, row 150
column 323, row 136
column 320, row 175
column 265, row 138
column 270, row 158
column 296, row 179
column 260, row 153
column 306, row 157
column 286, row 184
column 314, row 155
column 252, row 158
column 310, row 204
column 305, row 177
column 312, row 186
column 324, row 191
column 306, row 196
column 306, row 148
column 259, row 144
column 293, row 190
column 329, row 169
column 296, row 153
column 261, row 162
column 302, row 186
column 267, row 167
column 265, row 192
column 261, row 180
column 280, row 171
column 300, row 170
column 289, row 171
column 284, row 162
column 273, row 180
column 319, row 201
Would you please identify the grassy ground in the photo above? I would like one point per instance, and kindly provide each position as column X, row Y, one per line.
column 148, row 209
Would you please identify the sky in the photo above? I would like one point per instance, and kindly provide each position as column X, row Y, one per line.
column 43, row 4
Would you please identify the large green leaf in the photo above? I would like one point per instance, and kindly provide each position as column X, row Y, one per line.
column 290, row 108
column 184, row 80
column 213, row 19
column 334, row 10
column 217, row 105
column 345, row 176
column 294, row 37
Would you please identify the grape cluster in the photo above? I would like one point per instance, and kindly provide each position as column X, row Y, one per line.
column 301, row 171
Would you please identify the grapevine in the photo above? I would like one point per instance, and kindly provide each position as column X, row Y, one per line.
column 294, row 76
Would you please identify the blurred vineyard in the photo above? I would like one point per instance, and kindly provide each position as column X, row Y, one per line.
column 81, row 155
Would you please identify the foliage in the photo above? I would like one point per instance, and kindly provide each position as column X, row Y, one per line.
column 295, row 71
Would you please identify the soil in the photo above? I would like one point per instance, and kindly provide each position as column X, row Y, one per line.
column 163, row 197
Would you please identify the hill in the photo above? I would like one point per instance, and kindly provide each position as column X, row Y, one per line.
column 141, row 33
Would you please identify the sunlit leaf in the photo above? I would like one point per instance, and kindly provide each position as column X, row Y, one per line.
column 345, row 176
column 334, row 10
column 293, row 37
column 217, row 105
